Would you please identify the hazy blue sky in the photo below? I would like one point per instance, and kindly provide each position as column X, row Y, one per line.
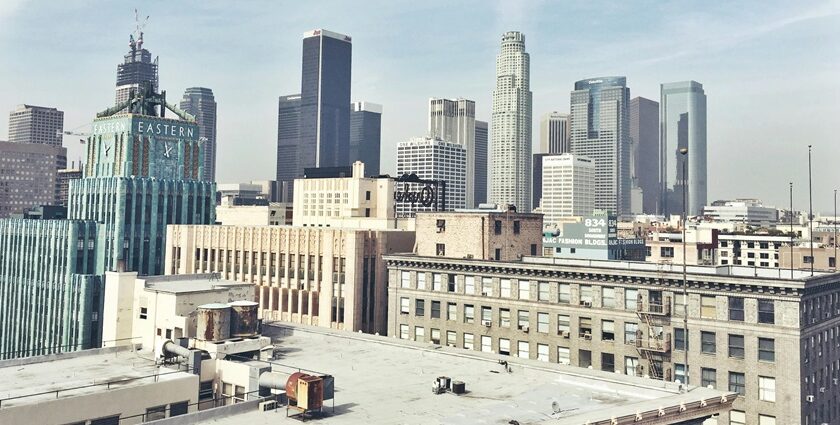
column 771, row 69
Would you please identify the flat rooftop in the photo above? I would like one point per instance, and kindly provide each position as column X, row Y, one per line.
column 387, row 380
column 35, row 379
column 179, row 284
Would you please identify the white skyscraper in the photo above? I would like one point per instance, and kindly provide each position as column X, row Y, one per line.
column 510, row 134
column 568, row 187
column 453, row 120
column 434, row 159
column 554, row 133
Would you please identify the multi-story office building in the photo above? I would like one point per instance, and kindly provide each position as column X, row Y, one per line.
column 36, row 124
column 63, row 178
column 745, row 327
column 434, row 159
column 137, row 72
column 600, row 131
column 751, row 212
column 536, row 180
column 568, row 187
column 453, row 120
column 28, row 175
column 750, row 249
column 682, row 120
column 366, row 135
column 288, row 144
column 644, row 134
column 554, row 133
column 200, row 102
column 481, row 144
column 667, row 247
column 511, row 123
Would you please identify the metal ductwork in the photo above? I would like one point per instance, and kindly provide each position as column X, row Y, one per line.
column 193, row 357
column 273, row 380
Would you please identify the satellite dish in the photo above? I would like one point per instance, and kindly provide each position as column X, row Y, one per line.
column 555, row 406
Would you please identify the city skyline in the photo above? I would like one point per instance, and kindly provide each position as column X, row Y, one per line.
column 766, row 82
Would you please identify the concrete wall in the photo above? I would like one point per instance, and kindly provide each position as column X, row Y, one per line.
column 472, row 234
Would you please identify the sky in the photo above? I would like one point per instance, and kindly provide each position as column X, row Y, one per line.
column 770, row 69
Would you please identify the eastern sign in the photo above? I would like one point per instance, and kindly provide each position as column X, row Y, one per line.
column 145, row 125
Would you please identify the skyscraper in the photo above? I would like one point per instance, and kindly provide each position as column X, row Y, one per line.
column 28, row 175
column 567, row 188
column 554, row 133
column 36, row 124
column 480, row 185
column 434, row 159
column 453, row 120
column 366, row 135
column 511, row 125
column 323, row 108
column 599, row 131
column 137, row 70
column 644, row 133
column 682, row 123
column 199, row 102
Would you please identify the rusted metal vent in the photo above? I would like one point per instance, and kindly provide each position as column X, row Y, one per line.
column 213, row 322
column 305, row 391
column 243, row 319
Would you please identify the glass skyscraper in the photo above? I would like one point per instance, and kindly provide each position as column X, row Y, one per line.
column 644, row 131
column 200, row 102
column 366, row 135
column 682, row 123
column 481, row 133
column 599, row 131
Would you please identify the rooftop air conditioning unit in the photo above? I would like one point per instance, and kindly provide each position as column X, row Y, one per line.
column 524, row 328
column 587, row 337
column 809, row 398
column 487, row 323
column 565, row 334
column 268, row 405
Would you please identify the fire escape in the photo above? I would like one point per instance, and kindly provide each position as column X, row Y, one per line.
column 652, row 342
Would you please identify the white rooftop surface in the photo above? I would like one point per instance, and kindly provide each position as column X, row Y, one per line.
column 36, row 375
column 199, row 284
column 383, row 380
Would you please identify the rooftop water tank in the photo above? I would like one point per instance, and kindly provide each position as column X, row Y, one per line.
column 243, row 319
column 213, row 322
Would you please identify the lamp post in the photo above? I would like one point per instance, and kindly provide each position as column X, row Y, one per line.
column 684, row 153
column 791, row 230
column 810, row 211
column 835, row 230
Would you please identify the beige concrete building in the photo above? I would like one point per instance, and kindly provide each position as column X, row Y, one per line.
column 667, row 247
column 273, row 214
column 823, row 258
column 750, row 249
column 746, row 326
column 328, row 277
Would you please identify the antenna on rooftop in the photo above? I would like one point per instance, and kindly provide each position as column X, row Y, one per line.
column 138, row 28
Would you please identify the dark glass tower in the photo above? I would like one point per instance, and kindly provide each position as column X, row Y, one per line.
column 644, row 131
column 137, row 68
column 288, row 141
column 199, row 102
column 480, row 186
column 365, row 135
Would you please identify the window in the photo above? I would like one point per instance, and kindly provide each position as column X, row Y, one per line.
column 404, row 303
column 736, row 309
column 522, row 317
column 469, row 285
column 504, row 346
column 680, row 340
column 487, row 286
column 707, row 342
column 631, row 298
column 585, row 330
column 435, row 336
column 144, row 313
column 498, row 254
column 608, row 297
column 516, row 227
column 564, row 293
column 469, row 313
column 736, row 346
column 542, row 322
column 679, row 373
column 607, row 330
column 608, row 362
column 563, row 325
column 679, row 304
column 367, row 214
column 486, row 344
column 179, row 408
column 419, row 333
column 584, row 358
column 504, row 288
column 630, row 330
column 524, row 290
column 367, row 195
column 533, row 249
column 469, row 341
column 451, row 311
column 666, row 252
column 486, row 315
column 109, row 420
column 450, row 338
column 631, row 365
column 708, row 377
column 497, row 227
column 504, row 317
column 419, row 308
column 436, row 282
column 807, row 259
column 563, row 355
column 737, row 417
column 450, row 284
column 435, row 309
column 441, row 225
column 767, row 349
column 737, row 383
column 155, row 413
column 708, row 307
column 766, row 420
column 522, row 349
column 543, row 289
column 403, row 331
column 542, row 352
column 586, row 294
column 766, row 312
column 421, row 280
column 405, row 279
column 767, row 388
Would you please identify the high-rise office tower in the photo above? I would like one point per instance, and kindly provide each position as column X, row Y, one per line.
column 567, row 188
column 599, row 131
column 366, row 135
column 682, row 123
column 453, row 120
column 511, row 125
column 199, row 102
column 63, row 179
column 28, row 175
column 36, row 124
column 536, row 179
column 554, row 133
column 323, row 109
column 434, row 159
column 480, row 181
column 137, row 70
column 644, row 134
